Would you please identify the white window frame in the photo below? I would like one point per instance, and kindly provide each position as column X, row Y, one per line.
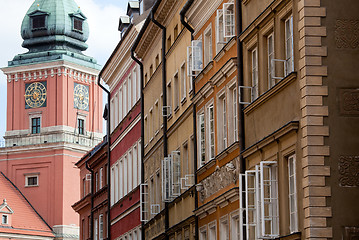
column 30, row 176
column 292, row 187
column 176, row 174
column 197, row 55
column 203, row 233
column 183, row 82
column 113, row 185
column 270, row 58
column 201, row 124
column 120, row 108
column 208, row 55
column 117, row 184
column 176, row 91
column 222, row 122
column 220, row 39
column 235, row 226
column 224, row 228
column 144, row 204
column 35, row 115
column 129, row 92
column 6, row 217
column 100, row 226
column 229, row 29
column 254, row 74
column 212, row 230
column 210, row 131
column 101, row 178
column 289, row 45
column 96, row 229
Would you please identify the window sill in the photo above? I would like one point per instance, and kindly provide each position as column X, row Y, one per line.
column 206, row 166
column 31, row 186
column 183, row 101
column 270, row 93
column 224, row 49
column 176, row 109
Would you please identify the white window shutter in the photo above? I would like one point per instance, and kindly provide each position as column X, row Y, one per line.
column 166, row 179
column 228, row 20
column 189, row 61
column 197, row 55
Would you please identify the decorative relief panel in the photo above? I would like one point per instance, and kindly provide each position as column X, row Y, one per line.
column 349, row 101
column 351, row 233
column 220, row 179
column 349, row 171
column 347, row 33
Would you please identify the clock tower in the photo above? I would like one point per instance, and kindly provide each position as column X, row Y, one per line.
column 54, row 110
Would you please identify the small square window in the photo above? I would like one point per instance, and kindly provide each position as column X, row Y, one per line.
column 77, row 24
column 35, row 125
column 5, row 219
column 38, row 22
column 81, row 126
column 32, row 180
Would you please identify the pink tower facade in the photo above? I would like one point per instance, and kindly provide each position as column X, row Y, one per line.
column 53, row 114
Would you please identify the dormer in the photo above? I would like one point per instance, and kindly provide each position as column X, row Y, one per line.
column 38, row 20
column 124, row 24
column 77, row 21
column 6, row 214
column 133, row 9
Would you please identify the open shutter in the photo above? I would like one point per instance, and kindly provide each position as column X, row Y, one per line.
column 144, row 217
column 269, row 200
column 166, row 163
column 251, row 204
column 176, row 173
column 197, row 56
column 220, row 39
column 228, row 20
column 242, row 208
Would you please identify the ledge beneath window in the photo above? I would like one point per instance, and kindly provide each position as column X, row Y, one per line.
column 206, row 166
column 270, row 93
column 225, row 49
column 234, row 146
column 293, row 236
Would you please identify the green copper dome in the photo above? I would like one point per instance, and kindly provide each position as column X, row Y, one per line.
column 52, row 30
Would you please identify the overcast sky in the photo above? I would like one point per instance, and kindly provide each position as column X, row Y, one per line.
column 102, row 15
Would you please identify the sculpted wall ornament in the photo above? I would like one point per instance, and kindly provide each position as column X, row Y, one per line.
column 349, row 171
column 349, row 101
column 347, row 33
column 221, row 178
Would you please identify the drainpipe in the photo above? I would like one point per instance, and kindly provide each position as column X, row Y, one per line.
column 92, row 202
column 108, row 158
column 164, row 92
column 183, row 12
column 142, row 128
column 240, row 83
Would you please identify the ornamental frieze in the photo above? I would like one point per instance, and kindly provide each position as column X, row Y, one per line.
column 221, row 178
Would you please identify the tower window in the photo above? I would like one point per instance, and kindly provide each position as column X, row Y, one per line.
column 81, row 126
column 77, row 24
column 38, row 22
column 31, row 180
column 35, row 125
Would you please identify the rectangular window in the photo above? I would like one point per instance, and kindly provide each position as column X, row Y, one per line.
column 120, row 109
column 120, row 187
column 212, row 231
column 96, row 229
column 84, row 187
column 113, row 186
column 81, row 126
column 129, row 171
column 229, row 20
column 201, row 140
column 100, row 227
column 189, row 67
column 116, row 108
column 124, row 99
column 134, row 86
column 157, row 61
column 197, row 56
column 125, row 180
column 183, row 81
column 235, row 112
column 222, row 122
column 35, row 125
column 224, row 229
column 116, row 186
column 203, row 233
column 208, row 46
column 112, row 114
column 31, row 180
column 77, row 24
column 166, row 179
column 4, row 219
column 144, row 205
column 185, row 158
column 175, row 32
column 101, row 178
column 289, row 54
column 235, row 226
column 176, row 92
column 255, row 90
column 176, row 174
column 135, row 166
column 38, row 22
column 129, row 93
column 169, row 43
column 293, row 210
column 270, row 53
column 210, row 114
column 261, row 201
column 220, row 39
column 169, row 99
column 96, row 182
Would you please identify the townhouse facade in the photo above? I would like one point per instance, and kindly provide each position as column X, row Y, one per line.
column 92, row 206
column 168, row 192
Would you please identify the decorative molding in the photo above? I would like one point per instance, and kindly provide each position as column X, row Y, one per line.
column 350, row 233
column 349, row 101
column 347, row 34
column 348, row 167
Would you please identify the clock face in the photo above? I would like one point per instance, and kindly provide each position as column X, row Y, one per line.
column 81, row 97
column 35, row 95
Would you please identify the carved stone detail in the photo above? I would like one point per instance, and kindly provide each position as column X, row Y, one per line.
column 351, row 233
column 349, row 171
column 349, row 101
column 347, row 33
column 220, row 179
